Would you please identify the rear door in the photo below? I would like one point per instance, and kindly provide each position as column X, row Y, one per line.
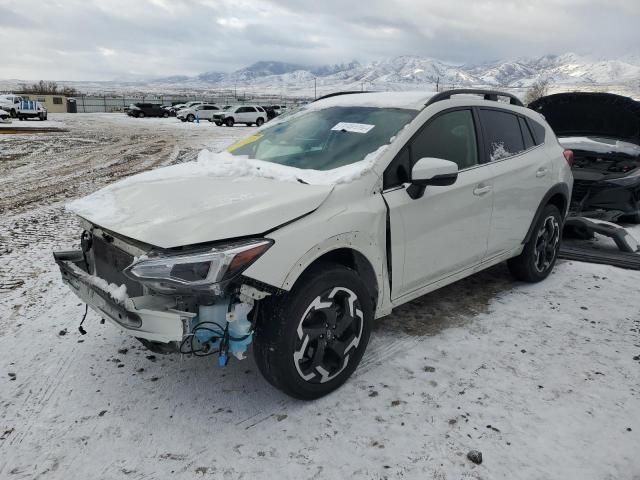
column 446, row 230
column 522, row 177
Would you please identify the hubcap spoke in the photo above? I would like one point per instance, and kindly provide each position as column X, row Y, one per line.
column 314, row 332
column 318, row 355
column 343, row 324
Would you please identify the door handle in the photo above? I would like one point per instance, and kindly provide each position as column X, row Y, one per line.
column 541, row 172
column 482, row 190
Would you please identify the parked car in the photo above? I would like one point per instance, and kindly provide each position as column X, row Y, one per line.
column 9, row 103
column 141, row 110
column 31, row 109
column 5, row 117
column 603, row 131
column 296, row 238
column 270, row 111
column 201, row 112
column 247, row 114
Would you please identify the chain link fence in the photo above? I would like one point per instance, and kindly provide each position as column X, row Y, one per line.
column 112, row 103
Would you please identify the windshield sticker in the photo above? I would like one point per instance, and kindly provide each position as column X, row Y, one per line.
column 353, row 127
column 244, row 141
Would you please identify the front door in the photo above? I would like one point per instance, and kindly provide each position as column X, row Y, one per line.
column 446, row 230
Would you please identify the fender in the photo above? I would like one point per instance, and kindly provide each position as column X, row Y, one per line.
column 559, row 188
column 359, row 242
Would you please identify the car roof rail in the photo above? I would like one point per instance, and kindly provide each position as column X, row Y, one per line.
column 335, row 94
column 487, row 94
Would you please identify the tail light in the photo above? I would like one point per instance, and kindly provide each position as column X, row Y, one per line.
column 568, row 156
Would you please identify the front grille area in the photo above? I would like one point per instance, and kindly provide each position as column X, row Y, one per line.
column 110, row 261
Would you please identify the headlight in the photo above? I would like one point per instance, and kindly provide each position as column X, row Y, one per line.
column 198, row 270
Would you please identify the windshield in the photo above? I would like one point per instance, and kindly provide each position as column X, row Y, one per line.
column 325, row 139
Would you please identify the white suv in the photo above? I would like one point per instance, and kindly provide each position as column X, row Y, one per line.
column 199, row 112
column 247, row 114
column 297, row 237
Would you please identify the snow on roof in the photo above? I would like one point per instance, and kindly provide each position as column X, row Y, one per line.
column 410, row 100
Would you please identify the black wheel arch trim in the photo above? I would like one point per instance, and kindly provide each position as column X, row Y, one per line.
column 558, row 189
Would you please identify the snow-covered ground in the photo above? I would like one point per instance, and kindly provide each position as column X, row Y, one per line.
column 543, row 379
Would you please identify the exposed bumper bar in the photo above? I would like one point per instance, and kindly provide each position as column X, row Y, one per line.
column 150, row 317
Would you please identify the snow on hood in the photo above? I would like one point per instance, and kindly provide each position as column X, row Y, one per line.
column 600, row 145
column 219, row 196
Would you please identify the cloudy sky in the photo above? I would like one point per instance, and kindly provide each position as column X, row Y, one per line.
column 108, row 39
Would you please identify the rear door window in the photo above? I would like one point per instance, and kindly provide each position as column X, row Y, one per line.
column 503, row 137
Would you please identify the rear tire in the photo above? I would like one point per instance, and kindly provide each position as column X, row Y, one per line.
column 540, row 253
column 310, row 340
column 219, row 124
column 259, row 122
column 165, row 115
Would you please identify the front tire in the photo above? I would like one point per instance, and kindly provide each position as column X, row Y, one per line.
column 141, row 115
column 229, row 122
column 191, row 118
column 540, row 253
column 311, row 339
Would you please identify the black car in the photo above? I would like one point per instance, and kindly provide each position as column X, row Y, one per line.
column 603, row 131
column 147, row 110
column 270, row 111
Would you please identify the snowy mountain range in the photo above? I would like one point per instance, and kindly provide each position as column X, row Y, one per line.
column 411, row 72
column 565, row 71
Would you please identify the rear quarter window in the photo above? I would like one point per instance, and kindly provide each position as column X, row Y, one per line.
column 537, row 130
column 503, row 137
column 526, row 134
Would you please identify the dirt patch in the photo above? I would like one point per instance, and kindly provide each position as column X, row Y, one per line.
column 453, row 305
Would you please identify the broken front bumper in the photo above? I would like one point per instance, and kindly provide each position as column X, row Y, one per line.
column 151, row 317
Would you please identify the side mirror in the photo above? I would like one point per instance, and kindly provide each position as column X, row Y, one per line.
column 431, row 171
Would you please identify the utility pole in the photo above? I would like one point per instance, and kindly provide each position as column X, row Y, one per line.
column 437, row 84
column 315, row 88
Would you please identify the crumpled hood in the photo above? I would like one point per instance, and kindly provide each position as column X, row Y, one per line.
column 186, row 204
column 589, row 114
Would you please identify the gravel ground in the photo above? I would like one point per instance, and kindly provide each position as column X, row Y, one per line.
column 543, row 379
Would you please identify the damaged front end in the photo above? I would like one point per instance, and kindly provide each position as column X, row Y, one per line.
column 191, row 301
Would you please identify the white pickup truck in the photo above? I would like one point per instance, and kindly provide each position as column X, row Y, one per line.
column 31, row 109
